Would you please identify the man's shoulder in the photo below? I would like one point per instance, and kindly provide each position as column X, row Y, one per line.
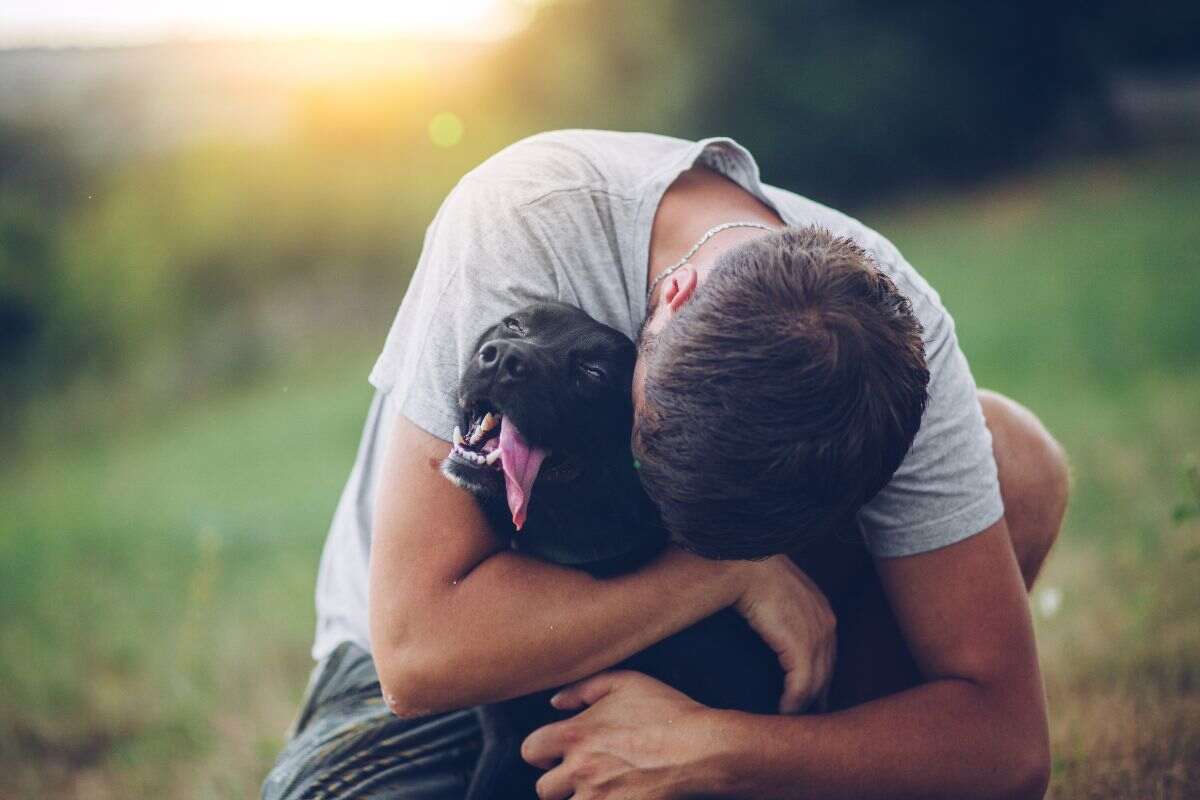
column 611, row 161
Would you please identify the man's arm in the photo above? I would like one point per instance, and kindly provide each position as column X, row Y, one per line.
column 456, row 620
column 976, row 729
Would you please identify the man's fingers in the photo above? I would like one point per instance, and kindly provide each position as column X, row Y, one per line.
column 588, row 691
column 544, row 747
column 820, row 681
column 793, row 701
column 823, row 665
column 797, row 691
column 555, row 784
column 830, row 665
column 802, row 687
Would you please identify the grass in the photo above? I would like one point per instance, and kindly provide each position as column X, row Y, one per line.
column 156, row 580
column 1076, row 293
column 157, row 589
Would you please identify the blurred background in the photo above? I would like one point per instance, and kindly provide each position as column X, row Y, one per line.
column 209, row 213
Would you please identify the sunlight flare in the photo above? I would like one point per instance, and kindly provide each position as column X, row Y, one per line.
column 78, row 21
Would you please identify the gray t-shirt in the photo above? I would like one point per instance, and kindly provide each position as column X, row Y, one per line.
column 567, row 216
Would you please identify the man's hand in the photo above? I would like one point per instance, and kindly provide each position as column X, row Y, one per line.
column 793, row 617
column 636, row 738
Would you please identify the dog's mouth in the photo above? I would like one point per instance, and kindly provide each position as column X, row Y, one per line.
column 480, row 446
column 493, row 442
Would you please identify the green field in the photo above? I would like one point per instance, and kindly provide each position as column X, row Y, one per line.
column 156, row 579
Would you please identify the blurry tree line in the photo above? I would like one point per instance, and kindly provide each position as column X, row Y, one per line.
column 171, row 270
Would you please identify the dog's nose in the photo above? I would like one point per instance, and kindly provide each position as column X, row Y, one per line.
column 505, row 358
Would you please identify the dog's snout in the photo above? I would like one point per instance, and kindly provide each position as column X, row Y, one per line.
column 505, row 359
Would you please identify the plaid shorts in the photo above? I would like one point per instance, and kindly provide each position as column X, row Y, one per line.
column 347, row 745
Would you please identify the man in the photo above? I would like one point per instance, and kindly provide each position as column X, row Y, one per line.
column 451, row 620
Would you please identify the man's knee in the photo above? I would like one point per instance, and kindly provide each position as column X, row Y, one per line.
column 1034, row 478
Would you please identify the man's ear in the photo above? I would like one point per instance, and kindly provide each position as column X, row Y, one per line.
column 681, row 285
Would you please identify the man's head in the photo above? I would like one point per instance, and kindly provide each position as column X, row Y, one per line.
column 776, row 393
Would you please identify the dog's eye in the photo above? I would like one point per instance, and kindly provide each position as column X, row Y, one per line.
column 513, row 325
column 593, row 372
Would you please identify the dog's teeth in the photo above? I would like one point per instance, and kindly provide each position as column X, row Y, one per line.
column 458, row 437
column 488, row 422
column 492, row 457
column 477, row 436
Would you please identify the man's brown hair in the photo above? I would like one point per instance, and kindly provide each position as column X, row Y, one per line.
column 782, row 398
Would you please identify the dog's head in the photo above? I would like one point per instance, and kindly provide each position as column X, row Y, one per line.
column 544, row 400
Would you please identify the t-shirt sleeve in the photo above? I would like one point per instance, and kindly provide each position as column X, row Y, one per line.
column 946, row 489
column 480, row 260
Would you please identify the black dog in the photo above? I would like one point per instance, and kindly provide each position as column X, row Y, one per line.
column 547, row 416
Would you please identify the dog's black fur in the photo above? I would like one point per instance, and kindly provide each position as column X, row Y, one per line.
column 565, row 379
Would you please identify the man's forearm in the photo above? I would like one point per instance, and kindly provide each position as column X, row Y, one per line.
column 976, row 729
column 455, row 620
column 514, row 625
column 947, row 738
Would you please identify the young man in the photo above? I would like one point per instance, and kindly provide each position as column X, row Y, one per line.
column 452, row 620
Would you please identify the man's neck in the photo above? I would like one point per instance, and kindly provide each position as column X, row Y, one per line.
column 695, row 202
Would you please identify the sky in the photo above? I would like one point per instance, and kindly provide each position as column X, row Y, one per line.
column 85, row 22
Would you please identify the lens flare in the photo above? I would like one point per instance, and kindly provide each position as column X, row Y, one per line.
column 445, row 129
column 70, row 21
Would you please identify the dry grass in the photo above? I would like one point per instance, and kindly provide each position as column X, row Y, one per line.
column 1124, row 686
column 1121, row 658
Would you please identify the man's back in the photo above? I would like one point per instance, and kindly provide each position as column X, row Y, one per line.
column 568, row 216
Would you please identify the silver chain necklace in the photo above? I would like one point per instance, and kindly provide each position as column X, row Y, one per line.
column 708, row 234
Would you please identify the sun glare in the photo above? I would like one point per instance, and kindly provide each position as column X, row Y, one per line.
column 369, row 18
column 82, row 21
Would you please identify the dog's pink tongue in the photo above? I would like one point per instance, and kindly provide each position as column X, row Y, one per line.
column 521, row 464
